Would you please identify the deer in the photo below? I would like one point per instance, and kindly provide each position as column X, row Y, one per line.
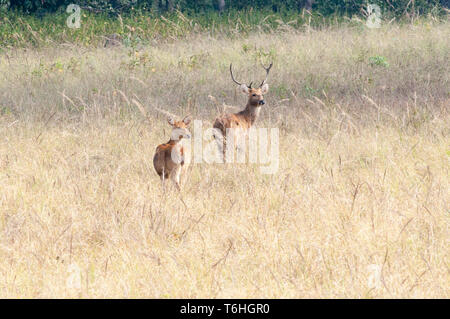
column 245, row 118
column 173, row 157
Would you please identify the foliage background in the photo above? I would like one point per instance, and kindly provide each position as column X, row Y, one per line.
column 324, row 7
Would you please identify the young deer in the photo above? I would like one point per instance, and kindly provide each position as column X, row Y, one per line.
column 173, row 157
column 245, row 118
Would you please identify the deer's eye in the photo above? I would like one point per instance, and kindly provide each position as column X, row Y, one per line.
column 253, row 94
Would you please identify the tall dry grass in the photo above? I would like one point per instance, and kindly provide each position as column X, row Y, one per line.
column 363, row 179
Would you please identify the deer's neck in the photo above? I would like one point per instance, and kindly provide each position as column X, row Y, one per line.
column 173, row 141
column 251, row 113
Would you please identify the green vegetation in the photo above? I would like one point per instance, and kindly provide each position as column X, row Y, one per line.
column 142, row 27
column 324, row 7
column 378, row 61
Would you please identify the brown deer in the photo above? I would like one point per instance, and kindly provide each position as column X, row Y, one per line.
column 173, row 157
column 245, row 118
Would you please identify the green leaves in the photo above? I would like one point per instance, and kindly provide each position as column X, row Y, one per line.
column 378, row 60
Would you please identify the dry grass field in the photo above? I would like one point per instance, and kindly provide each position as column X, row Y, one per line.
column 359, row 207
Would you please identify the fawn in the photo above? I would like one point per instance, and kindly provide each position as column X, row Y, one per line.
column 173, row 157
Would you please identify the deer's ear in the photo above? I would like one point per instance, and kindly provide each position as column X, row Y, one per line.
column 244, row 88
column 170, row 120
column 265, row 88
column 187, row 120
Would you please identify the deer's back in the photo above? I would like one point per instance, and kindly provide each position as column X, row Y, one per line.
column 230, row 120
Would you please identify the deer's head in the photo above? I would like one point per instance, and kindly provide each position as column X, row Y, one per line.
column 180, row 129
column 255, row 95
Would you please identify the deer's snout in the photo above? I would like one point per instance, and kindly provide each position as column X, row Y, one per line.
column 262, row 102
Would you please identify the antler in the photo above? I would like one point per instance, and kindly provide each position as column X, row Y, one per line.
column 267, row 73
column 250, row 85
column 232, row 77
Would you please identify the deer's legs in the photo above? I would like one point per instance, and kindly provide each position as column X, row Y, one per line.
column 175, row 176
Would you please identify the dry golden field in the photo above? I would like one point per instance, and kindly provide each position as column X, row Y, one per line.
column 359, row 207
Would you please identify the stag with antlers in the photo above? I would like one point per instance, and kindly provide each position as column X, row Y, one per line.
column 244, row 119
